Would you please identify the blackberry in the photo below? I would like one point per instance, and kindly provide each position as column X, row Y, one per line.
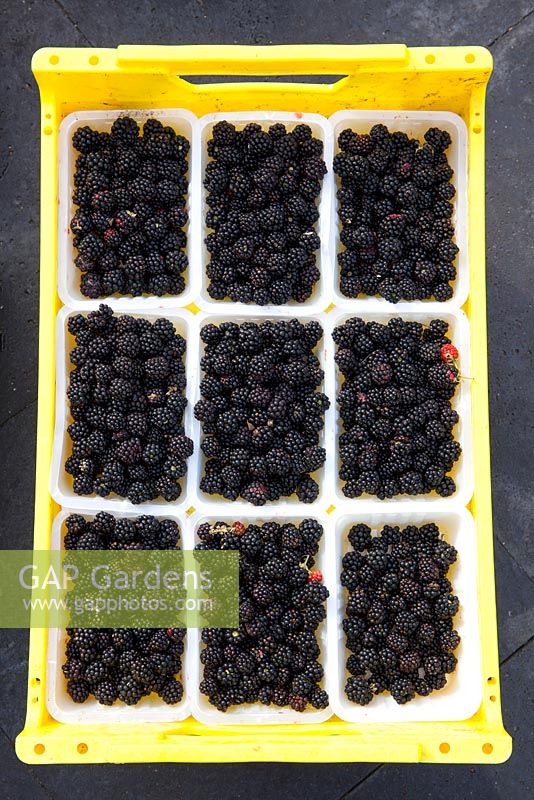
column 397, row 642
column 437, row 681
column 449, row 662
column 86, row 140
column 129, row 691
column 105, row 692
column 409, row 662
column 73, row 668
column 446, row 487
column 446, row 606
column 82, row 485
column 358, row 691
column 307, row 490
column 78, row 690
column 319, row 698
column 95, row 672
column 402, row 690
column 449, row 641
column 297, row 702
column 432, row 664
column 381, row 373
column 280, row 697
column 360, row 537
column 171, row 692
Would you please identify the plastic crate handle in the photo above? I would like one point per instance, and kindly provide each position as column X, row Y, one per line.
column 270, row 60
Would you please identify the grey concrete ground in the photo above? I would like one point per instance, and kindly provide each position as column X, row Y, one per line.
column 507, row 28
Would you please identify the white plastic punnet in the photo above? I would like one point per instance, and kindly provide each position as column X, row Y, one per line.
column 68, row 276
column 251, row 714
column 321, row 129
column 415, row 124
column 462, row 695
column 61, row 483
column 59, row 704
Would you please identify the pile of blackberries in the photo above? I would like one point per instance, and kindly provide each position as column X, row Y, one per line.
column 395, row 408
column 118, row 663
column 395, row 211
column 261, row 188
column 131, row 192
column 399, row 612
column 273, row 657
column 127, row 403
column 260, row 410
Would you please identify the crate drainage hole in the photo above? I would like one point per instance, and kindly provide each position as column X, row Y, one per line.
column 477, row 129
column 94, row 60
column 470, row 58
column 444, row 747
column 430, row 59
column 36, row 681
column 487, row 748
column 39, row 749
column 54, row 59
column 82, row 748
column 492, row 680
column 47, row 130
column 492, row 698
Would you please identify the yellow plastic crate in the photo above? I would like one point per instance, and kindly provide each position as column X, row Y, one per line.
column 377, row 77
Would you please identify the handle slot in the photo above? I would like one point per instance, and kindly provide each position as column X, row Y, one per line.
column 311, row 80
